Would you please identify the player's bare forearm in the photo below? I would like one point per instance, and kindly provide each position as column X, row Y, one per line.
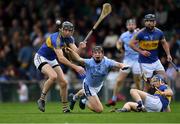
column 75, row 56
column 62, row 59
column 168, row 92
column 133, row 46
column 165, row 46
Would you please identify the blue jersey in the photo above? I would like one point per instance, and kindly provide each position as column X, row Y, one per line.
column 165, row 100
column 129, row 53
column 96, row 72
column 55, row 40
column 149, row 40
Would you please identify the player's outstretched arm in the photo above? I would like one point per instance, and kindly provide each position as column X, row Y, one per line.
column 121, row 66
column 65, row 61
column 74, row 56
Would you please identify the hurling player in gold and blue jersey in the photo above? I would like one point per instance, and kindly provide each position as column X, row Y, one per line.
column 159, row 102
column 47, row 61
column 148, row 39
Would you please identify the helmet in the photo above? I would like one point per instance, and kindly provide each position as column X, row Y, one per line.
column 150, row 17
column 68, row 26
column 157, row 78
column 131, row 21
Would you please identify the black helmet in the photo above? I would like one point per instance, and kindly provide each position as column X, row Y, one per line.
column 68, row 26
column 150, row 17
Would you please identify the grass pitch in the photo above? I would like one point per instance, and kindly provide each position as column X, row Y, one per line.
column 28, row 113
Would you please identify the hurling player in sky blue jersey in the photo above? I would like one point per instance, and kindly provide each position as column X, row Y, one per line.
column 158, row 102
column 97, row 69
column 130, row 58
column 148, row 39
column 47, row 61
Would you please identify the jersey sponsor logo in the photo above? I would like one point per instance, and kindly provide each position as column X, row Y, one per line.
column 149, row 45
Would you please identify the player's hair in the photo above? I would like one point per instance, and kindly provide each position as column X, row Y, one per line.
column 98, row 48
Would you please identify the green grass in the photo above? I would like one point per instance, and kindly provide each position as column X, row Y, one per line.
column 28, row 113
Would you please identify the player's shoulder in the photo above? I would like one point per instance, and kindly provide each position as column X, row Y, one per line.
column 54, row 35
column 158, row 30
column 124, row 34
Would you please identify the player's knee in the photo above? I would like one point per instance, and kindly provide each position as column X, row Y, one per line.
column 98, row 110
column 63, row 83
column 132, row 91
column 53, row 77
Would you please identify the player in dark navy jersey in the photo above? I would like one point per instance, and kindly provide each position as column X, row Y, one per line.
column 148, row 39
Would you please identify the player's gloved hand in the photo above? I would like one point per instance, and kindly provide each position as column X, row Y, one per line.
column 169, row 58
column 80, row 70
column 145, row 53
column 125, row 68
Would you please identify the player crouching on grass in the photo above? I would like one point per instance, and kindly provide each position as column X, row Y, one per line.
column 150, row 103
column 97, row 69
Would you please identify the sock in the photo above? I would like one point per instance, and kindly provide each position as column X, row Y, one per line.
column 75, row 97
column 139, row 103
column 124, row 110
column 43, row 95
column 65, row 105
column 114, row 98
column 84, row 100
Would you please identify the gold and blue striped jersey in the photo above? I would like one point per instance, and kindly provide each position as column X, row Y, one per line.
column 55, row 40
column 165, row 100
column 149, row 40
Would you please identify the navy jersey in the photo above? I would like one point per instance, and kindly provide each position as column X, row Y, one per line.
column 149, row 40
column 164, row 99
column 55, row 40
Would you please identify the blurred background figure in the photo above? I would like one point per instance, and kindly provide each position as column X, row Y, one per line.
column 23, row 92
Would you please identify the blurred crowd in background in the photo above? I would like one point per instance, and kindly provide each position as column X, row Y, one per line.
column 25, row 24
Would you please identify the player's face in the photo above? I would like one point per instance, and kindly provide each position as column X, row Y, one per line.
column 67, row 33
column 156, row 83
column 98, row 56
column 131, row 27
column 150, row 24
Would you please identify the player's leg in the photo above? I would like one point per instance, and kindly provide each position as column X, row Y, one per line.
column 52, row 76
column 137, row 75
column 117, row 86
column 139, row 96
column 75, row 98
column 63, row 88
column 44, row 66
column 128, row 107
column 94, row 104
column 92, row 100
column 137, row 80
column 146, row 74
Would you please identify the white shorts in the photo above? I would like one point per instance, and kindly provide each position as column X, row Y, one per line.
column 39, row 61
column 149, row 68
column 134, row 67
column 91, row 91
column 152, row 103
